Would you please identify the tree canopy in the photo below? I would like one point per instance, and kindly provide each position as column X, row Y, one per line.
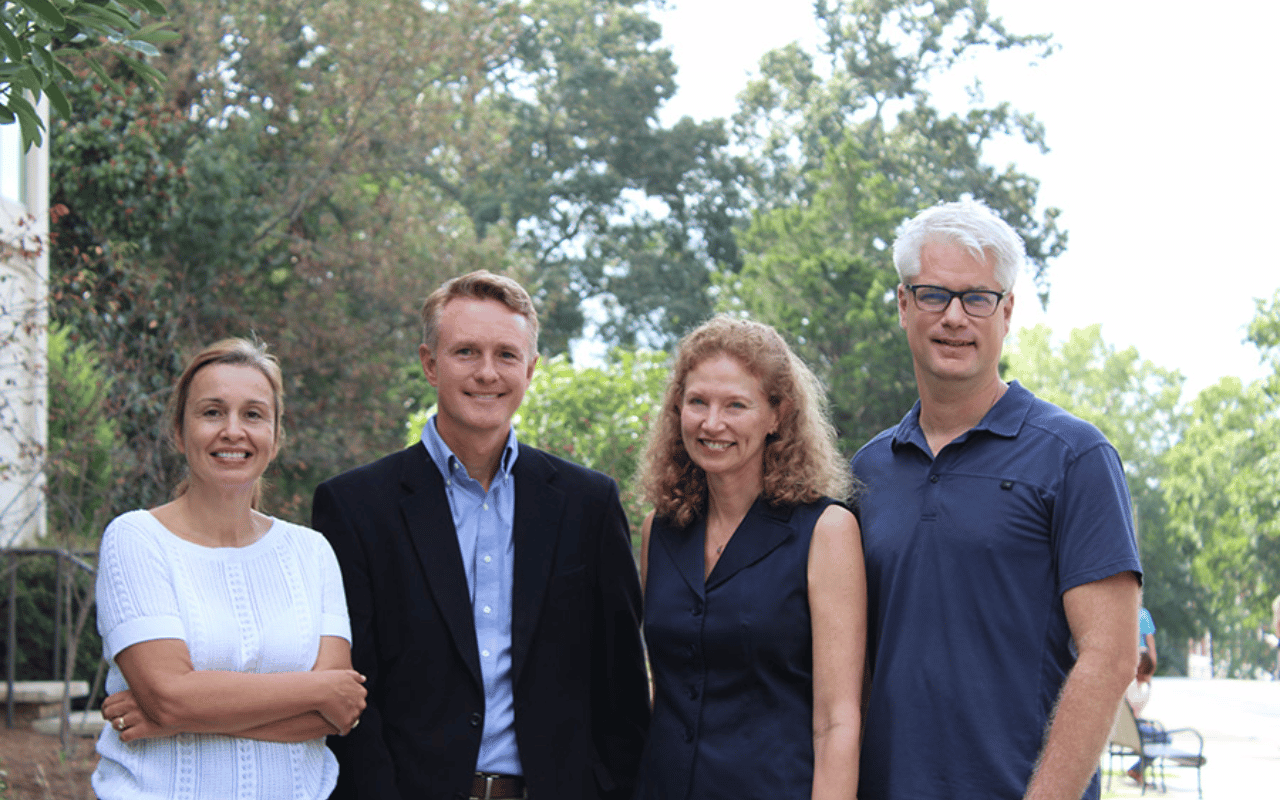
column 840, row 151
column 1224, row 507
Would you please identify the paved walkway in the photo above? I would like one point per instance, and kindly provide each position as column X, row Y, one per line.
column 1240, row 722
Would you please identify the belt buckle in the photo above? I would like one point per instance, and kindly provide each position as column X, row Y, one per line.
column 488, row 787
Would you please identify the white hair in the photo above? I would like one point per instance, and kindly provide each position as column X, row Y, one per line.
column 968, row 223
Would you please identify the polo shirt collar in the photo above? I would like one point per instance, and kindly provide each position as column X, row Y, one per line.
column 1004, row 419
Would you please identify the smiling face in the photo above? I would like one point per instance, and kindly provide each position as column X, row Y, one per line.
column 481, row 367
column 229, row 432
column 725, row 417
column 950, row 348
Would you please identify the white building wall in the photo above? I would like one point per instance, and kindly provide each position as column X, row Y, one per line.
column 24, row 318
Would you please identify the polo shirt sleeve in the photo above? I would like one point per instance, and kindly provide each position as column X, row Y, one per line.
column 1093, row 534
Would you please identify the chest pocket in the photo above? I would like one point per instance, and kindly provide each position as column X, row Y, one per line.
column 988, row 512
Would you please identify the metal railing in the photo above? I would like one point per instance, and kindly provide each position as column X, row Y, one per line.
column 64, row 623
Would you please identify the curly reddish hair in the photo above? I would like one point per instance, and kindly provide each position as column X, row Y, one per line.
column 801, row 461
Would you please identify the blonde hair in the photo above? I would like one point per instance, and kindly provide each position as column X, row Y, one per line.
column 801, row 461
column 479, row 285
column 235, row 352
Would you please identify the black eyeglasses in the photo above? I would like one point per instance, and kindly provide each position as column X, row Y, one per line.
column 976, row 302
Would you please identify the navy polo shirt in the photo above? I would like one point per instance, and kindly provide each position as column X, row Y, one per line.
column 968, row 555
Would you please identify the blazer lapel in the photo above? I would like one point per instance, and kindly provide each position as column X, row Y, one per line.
column 429, row 521
column 760, row 532
column 684, row 546
column 539, row 510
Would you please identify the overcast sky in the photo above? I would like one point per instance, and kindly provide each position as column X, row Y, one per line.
column 1162, row 126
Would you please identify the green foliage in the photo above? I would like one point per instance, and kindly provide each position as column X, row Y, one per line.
column 595, row 416
column 83, row 443
column 839, row 157
column 1225, row 513
column 185, row 218
column 126, row 273
column 1224, row 505
column 881, row 55
column 1137, row 405
column 37, row 589
column 567, row 152
column 1133, row 402
column 40, row 37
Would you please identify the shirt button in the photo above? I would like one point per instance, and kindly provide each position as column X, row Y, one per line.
column 933, row 479
column 486, row 506
column 487, row 609
column 487, row 559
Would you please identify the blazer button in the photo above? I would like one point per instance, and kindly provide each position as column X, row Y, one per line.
column 688, row 734
column 933, row 479
column 476, row 719
column 693, row 692
column 697, row 609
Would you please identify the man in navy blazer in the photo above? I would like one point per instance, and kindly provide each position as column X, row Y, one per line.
column 494, row 601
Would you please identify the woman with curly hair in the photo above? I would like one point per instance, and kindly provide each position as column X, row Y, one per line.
column 755, row 591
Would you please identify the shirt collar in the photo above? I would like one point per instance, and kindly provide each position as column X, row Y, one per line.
column 448, row 463
column 1004, row 419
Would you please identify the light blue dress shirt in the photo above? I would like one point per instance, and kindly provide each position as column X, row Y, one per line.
column 483, row 521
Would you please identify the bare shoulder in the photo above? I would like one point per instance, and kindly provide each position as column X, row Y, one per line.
column 836, row 521
column 836, row 546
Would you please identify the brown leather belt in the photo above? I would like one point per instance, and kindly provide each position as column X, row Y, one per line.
column 492, row 786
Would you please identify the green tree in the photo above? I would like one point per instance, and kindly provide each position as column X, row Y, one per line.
column 41, row 37
column 268, row 193
column 1137, row 405
column 84, row 442
column 1224, row 505
column 843, row 153
column 607, row 203
column 311, row 170
column 597, row 416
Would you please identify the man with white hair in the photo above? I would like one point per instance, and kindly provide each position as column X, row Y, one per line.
column 1002, row 570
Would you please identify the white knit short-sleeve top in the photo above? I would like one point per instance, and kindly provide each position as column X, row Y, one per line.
column 259, row 608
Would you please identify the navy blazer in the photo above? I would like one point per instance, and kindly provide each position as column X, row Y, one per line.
column 581, row 692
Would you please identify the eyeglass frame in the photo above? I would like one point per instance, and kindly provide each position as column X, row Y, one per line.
column 952, row 295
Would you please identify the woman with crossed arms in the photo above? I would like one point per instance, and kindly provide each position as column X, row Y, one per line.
column 226, row 629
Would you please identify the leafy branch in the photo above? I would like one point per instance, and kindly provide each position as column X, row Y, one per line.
column 38, row 37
